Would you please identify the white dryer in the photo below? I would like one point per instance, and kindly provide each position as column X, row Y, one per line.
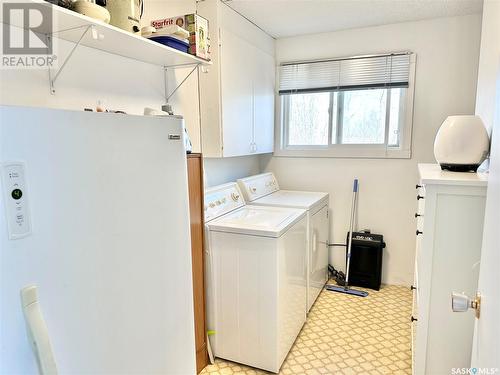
column 263, row 190
column 255, row 276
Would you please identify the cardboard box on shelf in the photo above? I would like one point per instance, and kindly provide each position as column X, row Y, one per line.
column 197, row 27
column 164, row 22
column 198, row 40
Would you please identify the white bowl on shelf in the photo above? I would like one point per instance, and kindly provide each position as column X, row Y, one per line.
column 91, row 10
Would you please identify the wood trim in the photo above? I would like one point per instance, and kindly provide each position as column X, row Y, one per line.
column 196, row 210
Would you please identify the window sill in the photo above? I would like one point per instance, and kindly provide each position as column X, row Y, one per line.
column 352, row 151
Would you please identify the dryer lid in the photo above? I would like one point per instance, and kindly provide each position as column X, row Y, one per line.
column 258, row 186
column 257, row 220
column 221, row 199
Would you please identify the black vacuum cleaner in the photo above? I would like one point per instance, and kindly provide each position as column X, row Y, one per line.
column 345, row 288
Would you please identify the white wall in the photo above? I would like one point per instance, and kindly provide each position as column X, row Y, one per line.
column 221, row 170
column 89, row 76
column 447, row 52
column 122, row 84
column 489, row 60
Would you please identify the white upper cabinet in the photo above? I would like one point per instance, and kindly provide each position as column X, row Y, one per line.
column 263, row 103
column 237, row 93
column 237, row 86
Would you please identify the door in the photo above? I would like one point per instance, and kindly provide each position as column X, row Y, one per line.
column 486, row 346
column 237, row 95
column 264, row 80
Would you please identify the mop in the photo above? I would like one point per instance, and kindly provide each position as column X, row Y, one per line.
column 345, row 288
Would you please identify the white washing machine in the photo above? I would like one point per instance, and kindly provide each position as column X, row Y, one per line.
column 263, row 190
column 255, row 276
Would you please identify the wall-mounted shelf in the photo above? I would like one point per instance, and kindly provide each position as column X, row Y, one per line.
column 69, row 25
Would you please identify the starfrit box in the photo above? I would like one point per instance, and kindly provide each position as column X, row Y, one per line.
column 164, row 22
column 198, row 35
column 197, row 27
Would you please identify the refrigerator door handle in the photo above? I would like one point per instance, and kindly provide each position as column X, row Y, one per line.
column 37, row 331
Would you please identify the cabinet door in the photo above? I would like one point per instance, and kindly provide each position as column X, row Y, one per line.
column 264, row 82
column 237, row 94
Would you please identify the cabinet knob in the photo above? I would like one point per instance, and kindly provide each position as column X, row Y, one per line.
column 418, row 186
column 413, row 287
column 413, row 319
column 420, row 197
column 417, row 215
column 419, row 232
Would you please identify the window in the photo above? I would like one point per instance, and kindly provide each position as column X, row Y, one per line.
column 357, row 107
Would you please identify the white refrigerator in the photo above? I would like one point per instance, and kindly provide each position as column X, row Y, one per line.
column 94, row 213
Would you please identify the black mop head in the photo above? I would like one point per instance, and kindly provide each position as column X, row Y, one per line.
column 346, row 290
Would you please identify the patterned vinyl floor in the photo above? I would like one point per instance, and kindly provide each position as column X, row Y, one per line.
column 347, row 335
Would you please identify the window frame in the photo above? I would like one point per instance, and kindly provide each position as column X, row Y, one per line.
column 403, row 151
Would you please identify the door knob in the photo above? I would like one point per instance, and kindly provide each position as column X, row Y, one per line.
column 460, row 302
column 413, row 287
column 413, row 319
column 419, row 232
column 418, row 186
column 420, row 197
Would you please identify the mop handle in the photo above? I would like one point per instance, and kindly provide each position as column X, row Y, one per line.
column 351, row 225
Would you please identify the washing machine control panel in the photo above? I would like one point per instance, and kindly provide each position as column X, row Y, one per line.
column 221, row 200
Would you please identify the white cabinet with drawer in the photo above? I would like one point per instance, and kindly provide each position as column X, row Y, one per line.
column 449, row 233
column 237, row 92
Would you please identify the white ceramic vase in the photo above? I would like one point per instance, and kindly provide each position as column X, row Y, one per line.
column 461, row 144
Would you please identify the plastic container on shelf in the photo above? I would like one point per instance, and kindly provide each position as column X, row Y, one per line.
column 171, row 42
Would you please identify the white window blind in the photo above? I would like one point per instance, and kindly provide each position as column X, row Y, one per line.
column 345, row 74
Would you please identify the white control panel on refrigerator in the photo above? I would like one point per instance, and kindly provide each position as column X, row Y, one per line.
column 16, row 200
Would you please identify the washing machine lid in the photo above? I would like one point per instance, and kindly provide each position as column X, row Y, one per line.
column 262, row 221
column 290, row 198
column 258, row 186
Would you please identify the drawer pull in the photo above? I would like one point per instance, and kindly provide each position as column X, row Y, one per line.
column 418, row 215
column 420, row 197
column 413, row 319
column 413, row 287
column 418, row 186
column 419, row 232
